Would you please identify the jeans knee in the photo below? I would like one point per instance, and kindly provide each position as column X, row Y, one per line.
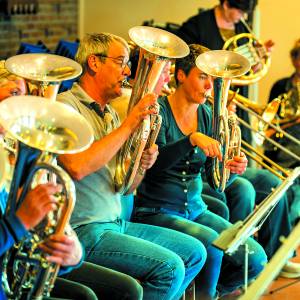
column 176, row 269
column 198, row 255
column 257, row 260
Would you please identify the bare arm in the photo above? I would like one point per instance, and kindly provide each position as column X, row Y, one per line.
column 102, row 151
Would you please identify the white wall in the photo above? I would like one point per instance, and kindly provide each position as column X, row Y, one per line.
column 279, row 21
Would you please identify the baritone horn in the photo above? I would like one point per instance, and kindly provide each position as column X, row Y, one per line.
column 157, row 47
column 43, row 72
column 43, row 129
column 224, row 66
column 4, row 167
column 253, row 49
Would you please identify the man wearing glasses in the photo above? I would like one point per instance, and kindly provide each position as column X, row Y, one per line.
column 164, row 261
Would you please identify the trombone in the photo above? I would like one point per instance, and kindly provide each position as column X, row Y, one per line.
column 265, row 115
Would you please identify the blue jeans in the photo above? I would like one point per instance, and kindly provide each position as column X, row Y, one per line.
column 206, row 228
column 239, row 197
column 163, row 260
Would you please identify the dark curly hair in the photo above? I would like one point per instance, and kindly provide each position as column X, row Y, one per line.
column 295, row 52
column 244, row 5
column 187, row 63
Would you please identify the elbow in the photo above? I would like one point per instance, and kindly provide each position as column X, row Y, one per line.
column 75, row 170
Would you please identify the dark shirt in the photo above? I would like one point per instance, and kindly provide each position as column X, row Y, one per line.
column 203, row 29
column 281, row 86
column 174, row 182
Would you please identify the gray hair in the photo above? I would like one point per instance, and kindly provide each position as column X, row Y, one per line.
column 96, row 43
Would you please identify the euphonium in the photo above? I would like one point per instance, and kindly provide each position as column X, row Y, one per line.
column 224, row 65
column 42, row 128
column 4, row 165
column 43, row 72
column 157, row 46
column 253, row 49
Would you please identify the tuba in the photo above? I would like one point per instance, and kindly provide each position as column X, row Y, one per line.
column 157, row 47
column 224, row 65
column 253, row 49
column 43, row 72
column 42, row 129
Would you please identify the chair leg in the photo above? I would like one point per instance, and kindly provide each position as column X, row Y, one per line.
column 190, row 292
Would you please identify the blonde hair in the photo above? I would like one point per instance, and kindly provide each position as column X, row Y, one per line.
column 5, row 75
column 96, row 43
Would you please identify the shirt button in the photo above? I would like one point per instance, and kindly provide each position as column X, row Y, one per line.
column 185, row 203
column 196, row 150
column 185, row 190
column 187, row 162
column 183, row 172
column 183, row 179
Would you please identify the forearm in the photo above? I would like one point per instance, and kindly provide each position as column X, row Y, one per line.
column 97, row 155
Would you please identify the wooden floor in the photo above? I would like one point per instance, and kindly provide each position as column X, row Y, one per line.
column 290, row 292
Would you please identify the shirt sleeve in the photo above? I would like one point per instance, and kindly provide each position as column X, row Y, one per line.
column 11, row 232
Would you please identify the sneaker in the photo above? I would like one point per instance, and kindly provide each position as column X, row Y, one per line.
column 233, row 295
column 290, row 270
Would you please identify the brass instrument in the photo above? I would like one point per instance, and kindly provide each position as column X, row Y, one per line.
column 265, row 115
column 224, row 65
column 4, row 166
column 43, row 72
column 272, row 269
column 289, row 106
column 157, row 46
column 253, row 49
column 43, row 129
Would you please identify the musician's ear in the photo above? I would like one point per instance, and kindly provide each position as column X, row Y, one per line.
column 181, row 76
column 93, row 63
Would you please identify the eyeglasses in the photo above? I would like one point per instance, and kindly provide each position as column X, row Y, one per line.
column 122, row 62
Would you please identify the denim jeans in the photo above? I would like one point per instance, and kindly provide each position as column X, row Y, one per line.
column 239, row 197
column 206, row 228
column 163, row 260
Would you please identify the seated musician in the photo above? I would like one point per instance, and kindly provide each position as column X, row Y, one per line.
column 289, row 112
column 86, row 282
column 170, row 194
column 164, row 261
column 288, row 88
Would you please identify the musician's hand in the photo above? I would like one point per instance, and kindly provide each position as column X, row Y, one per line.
column 231, row 108
column 64, row 250
column 149, row 157
column 37, row 204
column 269, row 45
column 238, row 164
column 146, row 106
column 208, row 145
